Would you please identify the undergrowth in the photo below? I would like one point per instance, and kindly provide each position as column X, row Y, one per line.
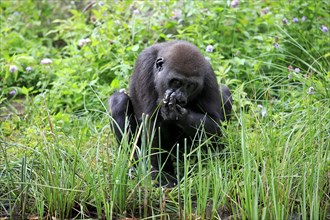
column 59, row 157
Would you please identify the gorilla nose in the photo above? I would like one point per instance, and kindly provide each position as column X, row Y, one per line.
column 181, row 97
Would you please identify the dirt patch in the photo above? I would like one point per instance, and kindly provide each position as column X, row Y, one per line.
column 15, row 107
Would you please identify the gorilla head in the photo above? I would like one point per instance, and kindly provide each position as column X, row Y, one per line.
column 180, row 68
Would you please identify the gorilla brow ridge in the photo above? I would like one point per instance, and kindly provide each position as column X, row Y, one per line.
column 187, row 57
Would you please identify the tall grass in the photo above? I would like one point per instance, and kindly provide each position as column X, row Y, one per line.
column 271, row 168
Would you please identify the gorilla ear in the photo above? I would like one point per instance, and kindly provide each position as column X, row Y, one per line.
column 159, row 63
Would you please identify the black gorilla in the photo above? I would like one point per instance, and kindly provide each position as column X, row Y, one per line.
column 176, row 85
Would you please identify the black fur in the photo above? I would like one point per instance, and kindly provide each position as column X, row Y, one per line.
column 177, row 110
column 120, row 106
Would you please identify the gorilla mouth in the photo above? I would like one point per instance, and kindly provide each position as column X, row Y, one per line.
column 174, row 97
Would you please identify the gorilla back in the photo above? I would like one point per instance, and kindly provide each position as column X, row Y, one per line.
column 175, row 84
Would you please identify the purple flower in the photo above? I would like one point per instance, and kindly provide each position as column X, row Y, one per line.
column 101, row 3
column 177, row 14
column 277, row 46
column 209, row 48
column 265, row 10
column 311, row 91
column 28, row 69
column 297, row 70
column 295, row 20
column 13, row 68
column 12, row 92
column 303, row 18
column 46, row 61
column 136, row 12
column 285, row 21
column 234, row 3
column 324, row 28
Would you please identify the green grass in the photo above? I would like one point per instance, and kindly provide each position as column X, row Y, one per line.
column 270, row 169
column 59, row 157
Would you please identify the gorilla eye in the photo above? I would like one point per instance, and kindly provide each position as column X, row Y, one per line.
column 191, row 86
column 159, row 63
column 175, row 83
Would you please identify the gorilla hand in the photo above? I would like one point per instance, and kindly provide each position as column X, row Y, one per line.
column 172, row 109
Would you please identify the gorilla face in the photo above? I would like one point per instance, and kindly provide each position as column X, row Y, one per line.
column 170, row 79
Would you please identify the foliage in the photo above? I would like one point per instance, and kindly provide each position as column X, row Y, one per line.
column 60, row 60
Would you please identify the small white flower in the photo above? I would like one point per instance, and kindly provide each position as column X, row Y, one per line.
column 263, row 111
column 311, row 91
column 12, row 68
column 28, row 69
column 234, row 3
column 209, row 48
column 297, row 70
column 83, row 42
column 46, row 61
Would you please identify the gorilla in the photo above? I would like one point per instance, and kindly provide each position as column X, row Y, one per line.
column 176, row 87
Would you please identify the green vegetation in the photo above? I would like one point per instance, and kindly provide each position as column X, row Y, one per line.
column 59, row 158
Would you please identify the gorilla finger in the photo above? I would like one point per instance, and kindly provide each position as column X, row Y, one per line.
column 173, row 97
column 171, row 106
column 168, row 93
column 167, row 96
column 181, row 110
column 172, row 101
